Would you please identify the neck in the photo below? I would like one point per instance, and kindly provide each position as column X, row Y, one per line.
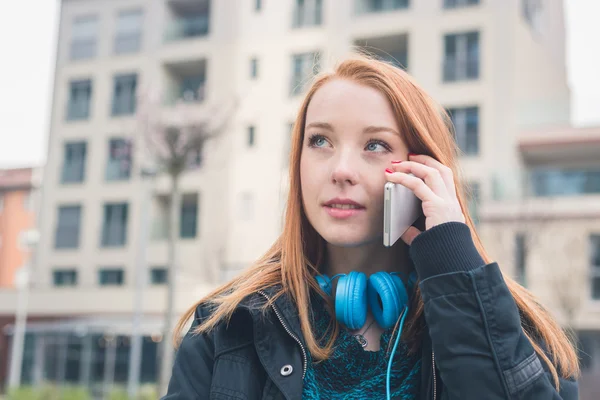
column 368, row 258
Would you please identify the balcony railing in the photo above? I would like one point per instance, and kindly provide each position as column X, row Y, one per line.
column 375, row 6
column 187, row 27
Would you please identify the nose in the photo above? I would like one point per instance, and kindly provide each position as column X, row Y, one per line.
column 344, row 169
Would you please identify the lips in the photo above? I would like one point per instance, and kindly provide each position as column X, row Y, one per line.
column 343, row 203
column 343, row 208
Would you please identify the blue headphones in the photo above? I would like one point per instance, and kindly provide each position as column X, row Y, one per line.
column 387, row 297
column 385, row 293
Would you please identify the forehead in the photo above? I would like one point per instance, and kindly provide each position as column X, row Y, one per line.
column 342, row 102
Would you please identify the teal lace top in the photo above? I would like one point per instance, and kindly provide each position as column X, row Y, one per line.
column 353, row 373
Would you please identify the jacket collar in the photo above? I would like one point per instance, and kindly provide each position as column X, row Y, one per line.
column 289, row 313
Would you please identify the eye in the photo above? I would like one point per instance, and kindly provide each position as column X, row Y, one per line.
column 377, row 146
column 317, row 140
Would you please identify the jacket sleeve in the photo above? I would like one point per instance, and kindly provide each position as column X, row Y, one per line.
column 192, row 370
column 480, row 348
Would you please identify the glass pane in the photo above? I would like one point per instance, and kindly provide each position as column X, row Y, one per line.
column 188, row 216
column 596, row 288
column 595, row 251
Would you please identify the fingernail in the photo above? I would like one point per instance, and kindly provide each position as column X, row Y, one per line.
column 389, row 171
column 396, row 162
column 411, row 154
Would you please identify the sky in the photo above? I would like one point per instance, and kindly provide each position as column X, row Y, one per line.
column 28, row 46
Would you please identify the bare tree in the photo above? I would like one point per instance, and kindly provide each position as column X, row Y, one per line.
column 171, row 139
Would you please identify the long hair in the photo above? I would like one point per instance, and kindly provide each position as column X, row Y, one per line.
column 296, row 256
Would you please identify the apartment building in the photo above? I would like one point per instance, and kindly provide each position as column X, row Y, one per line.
column 548, row 237
column 497, row 66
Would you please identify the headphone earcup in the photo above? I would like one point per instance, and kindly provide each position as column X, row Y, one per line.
column 324, row 283
column 393, row 295
column 351, row 300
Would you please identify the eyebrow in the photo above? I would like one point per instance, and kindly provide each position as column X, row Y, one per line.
column 368, row 130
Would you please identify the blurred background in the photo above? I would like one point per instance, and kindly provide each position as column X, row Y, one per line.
column 144, row 146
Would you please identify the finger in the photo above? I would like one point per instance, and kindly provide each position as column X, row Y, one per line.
column 418, row 187
column 410, row 235
column 431, row 176
column 445, row 172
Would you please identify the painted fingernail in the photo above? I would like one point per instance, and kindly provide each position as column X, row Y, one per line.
column 396, row 162
column 411, row 154
column 389, row 171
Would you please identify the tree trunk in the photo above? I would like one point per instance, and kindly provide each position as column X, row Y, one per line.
column 168, row 350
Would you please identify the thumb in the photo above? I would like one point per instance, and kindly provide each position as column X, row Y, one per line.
column 410, row 235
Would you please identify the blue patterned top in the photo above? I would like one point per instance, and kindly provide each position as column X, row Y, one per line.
column 353, row 373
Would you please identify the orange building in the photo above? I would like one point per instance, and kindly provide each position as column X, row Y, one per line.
column 17, row 216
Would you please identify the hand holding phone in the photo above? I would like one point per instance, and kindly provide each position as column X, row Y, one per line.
column 400, row 210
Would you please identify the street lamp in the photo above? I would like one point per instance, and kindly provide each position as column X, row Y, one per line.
column 135, row 355
column 22, row 278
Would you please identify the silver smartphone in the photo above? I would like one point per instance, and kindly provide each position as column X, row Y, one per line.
column 400, row 210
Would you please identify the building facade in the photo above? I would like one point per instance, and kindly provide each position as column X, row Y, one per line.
column 498, row 66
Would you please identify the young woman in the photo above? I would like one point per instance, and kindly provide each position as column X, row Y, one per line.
column 329, row 312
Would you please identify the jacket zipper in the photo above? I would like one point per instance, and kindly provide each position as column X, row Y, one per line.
column 434, row 379
column 304, row 358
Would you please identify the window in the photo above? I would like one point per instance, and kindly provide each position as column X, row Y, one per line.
column 521, row 258
column 304, row 67
column 114, row 225
column 307, row 13
column 118, row 166
column 370, row 6
column 129, row 32
column 595, row 265
column 189, row 215
column 251, row 138
column 190, row 20
column 564, row 181
column 80, row 94
column 257, row 5
column 67, row 227
column 461, row 56
column 392, row 49
column 83, row 37
column 111, row 276
column 125, row 87
column 73, row 170
column 158, row 276
column 465, row 128
column 64, row 277
column 588, row 349
column 254, row 68
column 246, row 206
column 459, row 3
column 532, row 12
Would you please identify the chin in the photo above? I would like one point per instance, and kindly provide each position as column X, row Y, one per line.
column 349, row 240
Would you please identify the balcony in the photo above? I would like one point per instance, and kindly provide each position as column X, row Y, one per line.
column 189, row 19
column 560, row 144
column 186, row 81
column 393, row 49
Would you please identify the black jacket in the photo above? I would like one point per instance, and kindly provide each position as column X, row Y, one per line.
column 475, row 347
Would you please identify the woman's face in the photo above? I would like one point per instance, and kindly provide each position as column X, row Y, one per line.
column 350, row 138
